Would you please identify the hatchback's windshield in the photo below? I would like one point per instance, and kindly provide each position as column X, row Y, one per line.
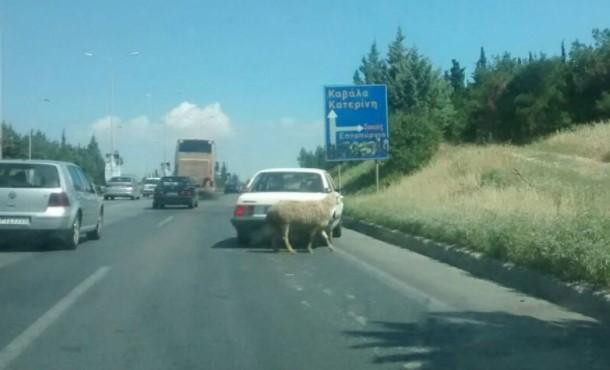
column 17, row 175
column 288, row 181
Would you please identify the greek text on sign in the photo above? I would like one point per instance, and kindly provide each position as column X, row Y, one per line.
column 356, row 122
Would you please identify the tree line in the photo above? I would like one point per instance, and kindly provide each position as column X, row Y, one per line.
column 16, row 146
column 507, row 99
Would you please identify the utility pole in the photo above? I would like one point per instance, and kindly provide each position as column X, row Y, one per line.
column 30, row 145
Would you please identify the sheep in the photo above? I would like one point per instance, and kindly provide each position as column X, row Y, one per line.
column 312, row 216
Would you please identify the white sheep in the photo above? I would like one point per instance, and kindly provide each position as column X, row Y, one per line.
column 312, row 216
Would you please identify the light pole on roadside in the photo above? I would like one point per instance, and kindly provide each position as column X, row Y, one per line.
column 110, row 60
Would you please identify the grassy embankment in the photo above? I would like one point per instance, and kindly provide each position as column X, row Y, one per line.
column 544, row 205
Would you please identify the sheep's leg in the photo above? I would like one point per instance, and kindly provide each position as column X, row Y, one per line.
column 286, row 239
column 312, row 235
column 330, row 234
column 328, row 243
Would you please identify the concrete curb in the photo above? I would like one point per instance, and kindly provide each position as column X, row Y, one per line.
column 578, row 297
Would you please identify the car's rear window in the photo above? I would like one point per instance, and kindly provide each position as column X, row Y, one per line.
column 23, row 175
column 174, row 181
column 120, row 179
column 152, row 181
column 288, row 181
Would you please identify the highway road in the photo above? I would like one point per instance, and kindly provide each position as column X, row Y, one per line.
column 171, row 289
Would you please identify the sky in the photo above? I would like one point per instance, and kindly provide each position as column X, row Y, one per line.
column 248, row 74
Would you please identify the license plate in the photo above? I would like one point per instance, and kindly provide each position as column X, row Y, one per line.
column 171, row 194
column 14, row 221
column 261, row 210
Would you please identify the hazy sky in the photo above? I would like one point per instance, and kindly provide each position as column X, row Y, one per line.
column 248, row 74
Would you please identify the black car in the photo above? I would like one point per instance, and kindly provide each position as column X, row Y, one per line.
column 175, row 190
column 232, row 188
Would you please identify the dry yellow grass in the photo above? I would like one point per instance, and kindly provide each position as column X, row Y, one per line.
column 522, row 203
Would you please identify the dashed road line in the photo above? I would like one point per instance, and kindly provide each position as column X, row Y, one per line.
column 165, row 222
column 18, row 345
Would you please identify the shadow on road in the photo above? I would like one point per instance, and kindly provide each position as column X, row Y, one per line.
column 263, row 246
column 25, row 245
column 232, row 243
column 487, row 340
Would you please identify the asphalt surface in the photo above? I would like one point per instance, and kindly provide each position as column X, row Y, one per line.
column 172, row 289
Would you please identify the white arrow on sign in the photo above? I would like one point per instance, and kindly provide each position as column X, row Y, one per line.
column 332, row 120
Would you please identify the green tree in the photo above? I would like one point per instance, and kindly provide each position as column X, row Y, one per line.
column 414, row 141
column 223, row 173
column 457, row 79
column 589, row 77
column 372, row 68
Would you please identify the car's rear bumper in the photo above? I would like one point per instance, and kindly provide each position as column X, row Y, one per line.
column 52, row 219
column 174, row 200
column 120, row 193
column 248, row 224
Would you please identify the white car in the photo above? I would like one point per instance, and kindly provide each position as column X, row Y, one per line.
column 270, row 186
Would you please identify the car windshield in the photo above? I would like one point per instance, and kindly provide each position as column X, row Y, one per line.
column 152, row 181
column 28, row 176
column 288, row 182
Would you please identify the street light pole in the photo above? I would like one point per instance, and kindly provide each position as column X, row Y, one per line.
column 111, row 103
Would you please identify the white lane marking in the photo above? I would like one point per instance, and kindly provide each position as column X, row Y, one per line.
column 350, row 296
column 359, row 319
column 306, row 304
column 327, row 291
column 395, row 283
column 7, row 259
column 298, row 288
column 413, row 365
column 23, row 340
column 289, row 275
column 165, row 221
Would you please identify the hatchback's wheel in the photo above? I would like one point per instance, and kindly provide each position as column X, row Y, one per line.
column 97, row 233
column 72, row 237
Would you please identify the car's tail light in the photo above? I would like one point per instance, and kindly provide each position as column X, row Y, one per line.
column 59, row 200
column 243, row 211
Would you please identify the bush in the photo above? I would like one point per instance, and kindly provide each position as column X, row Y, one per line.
column 413, row 142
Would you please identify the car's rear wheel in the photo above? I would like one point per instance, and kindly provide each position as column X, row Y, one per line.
column 243, row 237
column 97, row 233
column 72, row 237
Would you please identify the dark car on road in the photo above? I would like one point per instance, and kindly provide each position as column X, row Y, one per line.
column 175, row 190
column 232, row 188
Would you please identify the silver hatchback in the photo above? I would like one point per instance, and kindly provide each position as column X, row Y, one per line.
column 122, row 186
column 51, row 198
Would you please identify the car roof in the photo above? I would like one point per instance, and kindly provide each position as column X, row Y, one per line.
column 295, row 169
